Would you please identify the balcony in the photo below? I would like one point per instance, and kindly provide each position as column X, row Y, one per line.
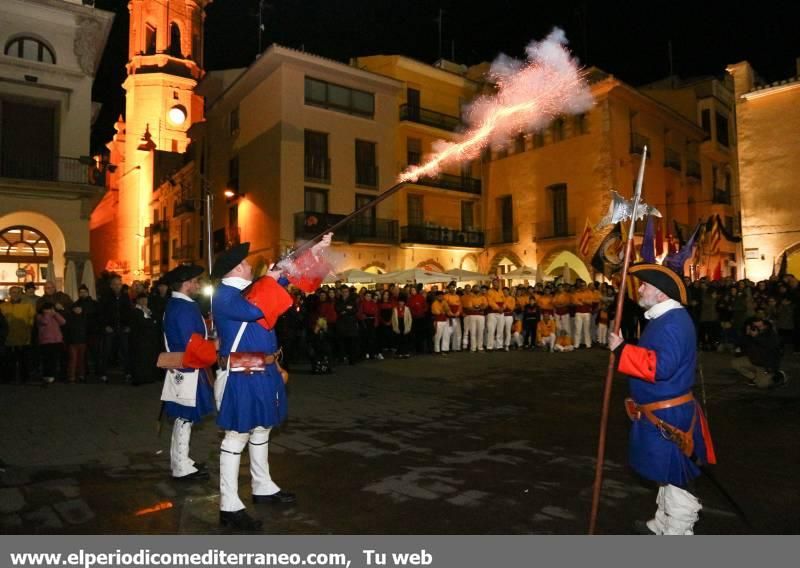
column 159, row 227
column 452, row 183
column 721, row 196
column 373, row 231
column 443, row 236
column 367, row 175
column 429, row 117
column 638, row 142
column 309, row 224
column 185, row 252
column 672, row 159
column 317, row 168
column 563, row 229
column 693, row 169
column 503, row 235
column 183, row 206
column 77, row 171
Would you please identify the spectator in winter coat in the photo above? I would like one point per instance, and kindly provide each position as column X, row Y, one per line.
column 81, row 322
column 20, row 317
column 51, row 340
column 402, row 324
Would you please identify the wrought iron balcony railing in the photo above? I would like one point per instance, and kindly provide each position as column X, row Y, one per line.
column 429, row 117
column 693, row 169
column 366, row 175
column 672, row 159
column 563, row 228
column 503, row 235
column 308, row 224
column 83, row 171
column 444, row 236
column 453, row 183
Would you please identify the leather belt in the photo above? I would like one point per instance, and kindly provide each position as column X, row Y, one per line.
column 684, row 440
column 253, row 361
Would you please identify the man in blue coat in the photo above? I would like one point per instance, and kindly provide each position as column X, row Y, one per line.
column 187, row 392
column 254, row 398
column 669, row 432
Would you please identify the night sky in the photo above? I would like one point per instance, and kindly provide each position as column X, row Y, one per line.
column 628, row 39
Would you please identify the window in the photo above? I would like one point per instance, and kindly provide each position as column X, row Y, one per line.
column 23, row 249
column 149, row 40
column 339, row 98
column 233, row 173
column 722, row 130
column 366, row 168
column 28, row 147
column 413, row 102
column 413, row 151
column 558, row 130
column 316, row 200
column 582, row 123
column 415, row 215
column 467, row 215
column 519, row 143
column 175, row 40
column 317, row 163
column 538, row 139
column 364, row 225
column 506, row 212
column 558, row 196
column 233, row 119
column 705, row 122
column 30, row 49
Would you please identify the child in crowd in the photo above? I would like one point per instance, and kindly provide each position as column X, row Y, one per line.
column 546, row 332
column 564, row 342
column 401, row 326
column 51, row 341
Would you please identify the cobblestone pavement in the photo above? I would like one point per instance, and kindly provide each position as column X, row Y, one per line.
column 458, row 444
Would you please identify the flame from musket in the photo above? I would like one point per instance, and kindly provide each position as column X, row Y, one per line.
column 529, row 97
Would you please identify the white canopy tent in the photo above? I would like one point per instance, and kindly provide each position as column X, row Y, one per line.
column 521, row 273
column 460, row 275
column 415, row 275
column 88, row 278
column 71, row 281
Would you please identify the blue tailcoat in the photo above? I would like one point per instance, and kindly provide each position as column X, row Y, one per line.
column 250, row 400
column 182, row 318
column 672, row 337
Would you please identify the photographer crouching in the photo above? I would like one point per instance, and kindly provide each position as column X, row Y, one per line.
column 762, row 350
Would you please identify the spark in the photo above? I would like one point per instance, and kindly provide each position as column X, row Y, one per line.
column 529, row 96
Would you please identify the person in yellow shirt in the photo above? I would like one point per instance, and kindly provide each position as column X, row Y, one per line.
column 20, row 316
column 545, row 301
column 521, row 297
column 546, row 332
column 494, row 317
column 474, row 306
column 582, row 300
column 454, row 303
column 597, row 298
column 508, row 319
column 564, row 342
column 561, row 302
column 440, row 313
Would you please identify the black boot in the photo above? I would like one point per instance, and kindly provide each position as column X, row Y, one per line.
column 239, row 520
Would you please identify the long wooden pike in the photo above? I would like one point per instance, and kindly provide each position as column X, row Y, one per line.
column 601, row 444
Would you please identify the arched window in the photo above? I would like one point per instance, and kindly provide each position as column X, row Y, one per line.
column 23, row 249
column 31, row 49
column 175, row 40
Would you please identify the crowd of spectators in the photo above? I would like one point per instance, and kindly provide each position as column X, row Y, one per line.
column 52, row 337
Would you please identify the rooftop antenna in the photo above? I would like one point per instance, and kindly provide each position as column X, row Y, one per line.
column 438, row 21
column 262, row 5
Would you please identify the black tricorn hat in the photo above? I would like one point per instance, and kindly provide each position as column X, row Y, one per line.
column 230, row 259
column 662, row 278
column 182, row 273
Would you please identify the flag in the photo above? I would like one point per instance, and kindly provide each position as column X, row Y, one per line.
column 648, row 249
column 675, row 261
column 728, row 235
column 659, row 238
column 584, row 241
column 714, row 236
column 610, row 254
column 717, row 271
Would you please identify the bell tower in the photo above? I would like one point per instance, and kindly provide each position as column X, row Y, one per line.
column 165, row 55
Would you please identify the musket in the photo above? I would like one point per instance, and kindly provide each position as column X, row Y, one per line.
column 601, row 445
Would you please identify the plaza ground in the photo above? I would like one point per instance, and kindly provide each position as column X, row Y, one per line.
column 500, row 443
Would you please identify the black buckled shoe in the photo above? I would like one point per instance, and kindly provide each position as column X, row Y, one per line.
column 640, row 527
column 281, row 497
column 194, row 476
column 239, row 520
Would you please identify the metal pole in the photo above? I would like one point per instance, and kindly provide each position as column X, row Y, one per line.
column 601, row 445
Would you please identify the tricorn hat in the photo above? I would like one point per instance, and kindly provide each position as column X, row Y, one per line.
column 182, row 273
column 230, row 259
column 662, row 278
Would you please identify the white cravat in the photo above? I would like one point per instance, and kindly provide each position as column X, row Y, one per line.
column 236, row 282
column 181, row 296
column 661, row 308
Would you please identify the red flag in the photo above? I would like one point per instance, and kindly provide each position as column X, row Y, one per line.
column 659, row 238
column 717, row 271
column 715, row 237
column 586, row 237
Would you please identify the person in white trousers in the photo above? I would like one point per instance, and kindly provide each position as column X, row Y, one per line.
column 474, row 306
column 440, row 313
column 454, row 304
column 509, row 303
column 494, row 317
column 582, row 299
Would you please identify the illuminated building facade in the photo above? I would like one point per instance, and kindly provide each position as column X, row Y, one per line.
column 165, row 55
column 767, row 122
column 48, row 181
